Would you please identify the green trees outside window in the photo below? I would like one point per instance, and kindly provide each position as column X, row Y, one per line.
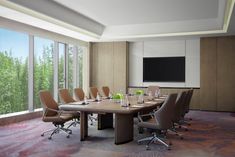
column 43, row 68
column 13, row 71
column 14, row 68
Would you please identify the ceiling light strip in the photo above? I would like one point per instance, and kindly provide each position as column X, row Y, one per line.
column 228, row 14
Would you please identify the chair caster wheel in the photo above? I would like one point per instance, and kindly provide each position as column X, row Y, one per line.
column 138, row 143
column 186, row 129
column 42, row 135
column 180, row 126
column 170, row 144
column 168, row 148
column 49, row 138
column 181, row 138
column 147, row 148
column 70, row 132
column 67, row 136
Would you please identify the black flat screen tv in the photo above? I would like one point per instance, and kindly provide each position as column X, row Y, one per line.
column 164, row 69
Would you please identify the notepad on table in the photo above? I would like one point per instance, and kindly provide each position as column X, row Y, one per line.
column 136, row 106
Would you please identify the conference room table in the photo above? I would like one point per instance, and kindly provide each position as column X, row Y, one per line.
column 124, row 121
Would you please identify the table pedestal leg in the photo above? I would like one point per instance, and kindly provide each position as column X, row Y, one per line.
column 83, row 126
column 123, row 128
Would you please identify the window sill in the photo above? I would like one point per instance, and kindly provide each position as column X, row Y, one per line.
column 19, row 116
column 19, row 113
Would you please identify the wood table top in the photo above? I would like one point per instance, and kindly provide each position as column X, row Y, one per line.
column 110, row 106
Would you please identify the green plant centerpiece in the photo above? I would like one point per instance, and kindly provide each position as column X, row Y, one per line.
column 139, row 92
column 117, row 97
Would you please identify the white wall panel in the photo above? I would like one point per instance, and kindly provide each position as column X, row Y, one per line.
column 136, row 64
column 192, row 61
column 164, row 48
column 168, row 48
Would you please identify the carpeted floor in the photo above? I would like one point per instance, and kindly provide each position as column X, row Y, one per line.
column 212, row 134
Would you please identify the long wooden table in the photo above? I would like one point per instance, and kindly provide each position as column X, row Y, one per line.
column 123, row 116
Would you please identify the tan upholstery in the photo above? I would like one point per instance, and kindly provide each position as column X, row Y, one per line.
column 65, row 97
column 79, row 94
column 188, row 100
column 106, row 91
column 153, row 89
column 51, row 111
column 62, row 118
column 179, row 106
column 162, row 121
column 163, row 116
column 93, row 92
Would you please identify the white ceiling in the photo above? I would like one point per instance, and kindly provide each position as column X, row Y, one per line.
column 104, row 20
column 128, row 12
column 131, row 19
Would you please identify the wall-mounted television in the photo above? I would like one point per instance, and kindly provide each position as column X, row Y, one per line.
column 164, row 69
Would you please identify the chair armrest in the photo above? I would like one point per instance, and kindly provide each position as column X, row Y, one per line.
column 49, row 109
column 144, row 115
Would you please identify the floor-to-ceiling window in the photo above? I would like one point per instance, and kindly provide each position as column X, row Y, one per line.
column 61, row 68
column 43, row 67
column 80, row 53
column 28, row 64
column 14, row 49
column 70, row 68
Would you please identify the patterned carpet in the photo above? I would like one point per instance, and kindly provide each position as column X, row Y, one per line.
column 212, row 134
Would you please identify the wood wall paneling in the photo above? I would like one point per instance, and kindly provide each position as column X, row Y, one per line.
column 226, row 74
column 120, row 66
column 208, row 81
column 109, row 64
column 105, row 65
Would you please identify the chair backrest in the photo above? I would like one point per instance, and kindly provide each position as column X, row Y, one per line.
column 179, row 106
column 163, row 116
column 106, row 91
column 48, row 101
column 153, row 89
column 188, row 100
column 65, row 97
column 79, row 94
column 93, row 92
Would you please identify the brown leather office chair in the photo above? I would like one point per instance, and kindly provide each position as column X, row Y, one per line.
column 79, row 94
column 188, row 100
column 177, row 112
column 160, row 123
column 51, row 113
column 106, row 91
column 93, row 92
column 65, row 96
column 186, row 106
column 65, row 99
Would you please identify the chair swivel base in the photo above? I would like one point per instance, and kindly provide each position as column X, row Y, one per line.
column 57, row 130
column 153, row 139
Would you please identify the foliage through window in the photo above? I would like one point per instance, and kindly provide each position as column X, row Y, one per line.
column 15, row 65
column 14, row 49
column 43, row 67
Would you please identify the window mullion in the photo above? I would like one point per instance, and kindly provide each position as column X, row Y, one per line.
column 30, row 73
column 66, row 65
column 56, row 67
